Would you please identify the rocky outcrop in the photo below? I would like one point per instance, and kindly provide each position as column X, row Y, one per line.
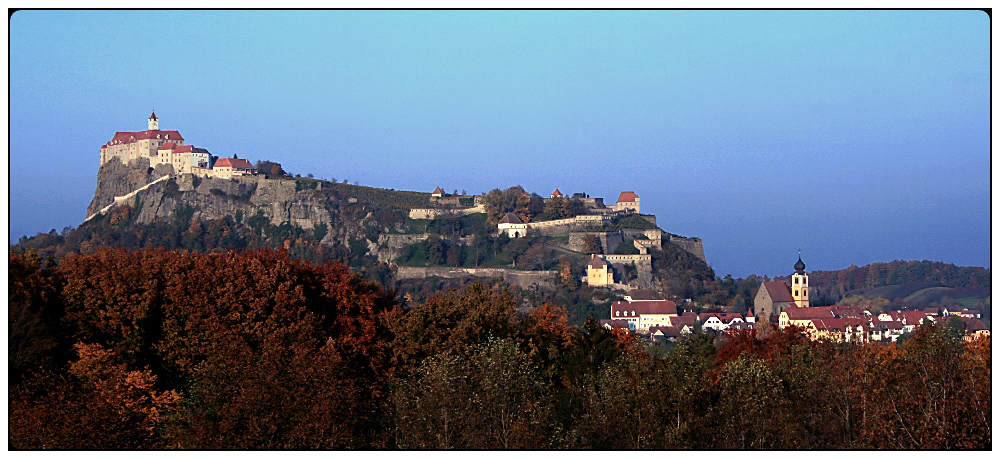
column 115, row 178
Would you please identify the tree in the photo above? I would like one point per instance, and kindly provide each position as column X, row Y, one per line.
column 591, row 244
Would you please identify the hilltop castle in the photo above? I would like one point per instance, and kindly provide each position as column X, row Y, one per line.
column 167, row 147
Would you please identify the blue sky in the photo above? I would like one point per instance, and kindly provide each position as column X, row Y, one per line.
column 856, row 136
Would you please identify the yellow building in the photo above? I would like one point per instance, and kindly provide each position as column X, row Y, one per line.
column 599, row 272
column 800, row 284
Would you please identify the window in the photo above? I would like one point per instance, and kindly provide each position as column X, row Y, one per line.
column 796, row 293
column 795, row 280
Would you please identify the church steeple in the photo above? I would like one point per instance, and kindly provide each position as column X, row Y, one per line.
column 800, row 284
column 154, row 124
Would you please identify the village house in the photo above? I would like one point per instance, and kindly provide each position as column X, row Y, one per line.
column 640, row 315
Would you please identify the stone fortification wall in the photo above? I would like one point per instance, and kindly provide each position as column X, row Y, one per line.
column 610, row 240
column 522, row 279
column 432, row 213
column 692, row 245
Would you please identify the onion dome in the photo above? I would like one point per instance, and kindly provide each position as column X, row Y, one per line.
column 800, row 267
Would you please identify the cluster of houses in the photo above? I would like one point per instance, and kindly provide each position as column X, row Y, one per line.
column 648, row 313
column 167, row 147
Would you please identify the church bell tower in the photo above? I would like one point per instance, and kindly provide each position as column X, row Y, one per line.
column 800, row 284
column 154, row 124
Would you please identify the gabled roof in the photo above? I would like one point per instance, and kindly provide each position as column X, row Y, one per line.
column 129, row 137
column 643, row 307
column 556, row 193
column 168, row 146
column 973, row 325
column 614, row 323
column 627, row 196
column 665, row 331
column 724, row 317
column 596, row 262
column 438, row 190
column 643, row 294
column 235, row 163
column 808, row 313
column 779, row 292
column 688, row 318
column 510, row 218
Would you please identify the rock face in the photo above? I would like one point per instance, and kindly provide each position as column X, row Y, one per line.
column 277, row 200
column 115, row 178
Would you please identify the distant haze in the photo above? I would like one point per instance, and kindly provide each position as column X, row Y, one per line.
column 855, row 136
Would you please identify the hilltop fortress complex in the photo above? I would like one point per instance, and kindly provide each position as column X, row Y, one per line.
column 167, row 147
column 615, row 238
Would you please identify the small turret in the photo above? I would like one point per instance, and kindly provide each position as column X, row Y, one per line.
column 154, row 124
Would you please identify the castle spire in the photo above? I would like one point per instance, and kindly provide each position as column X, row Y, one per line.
column 154, row 124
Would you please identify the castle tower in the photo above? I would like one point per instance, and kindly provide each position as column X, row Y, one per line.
column 154, row 124
column 800, row 284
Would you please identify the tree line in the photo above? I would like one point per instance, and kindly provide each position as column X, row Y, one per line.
column 172, row 349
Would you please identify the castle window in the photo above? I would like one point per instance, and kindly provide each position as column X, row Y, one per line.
column 795, row 280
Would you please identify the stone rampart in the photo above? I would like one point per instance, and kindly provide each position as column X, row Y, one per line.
column 432, row 213
column 610, row 240
column 522, row 279
column 692, row 245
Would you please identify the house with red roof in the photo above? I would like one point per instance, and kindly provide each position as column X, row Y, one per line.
column 512, row 225
column 556, row 194
column 230, row 167
column 627, row 201
column 641, row 315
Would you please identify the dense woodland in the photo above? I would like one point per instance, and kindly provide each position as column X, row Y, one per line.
column 154, row 348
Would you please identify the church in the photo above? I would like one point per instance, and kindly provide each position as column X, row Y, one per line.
column 773, row 297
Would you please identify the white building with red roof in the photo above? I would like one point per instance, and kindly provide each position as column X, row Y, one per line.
column 640, row 315
column 512, row 225
column 128, row 146
column 627, row 200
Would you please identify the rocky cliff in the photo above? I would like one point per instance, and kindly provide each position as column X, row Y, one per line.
column 115, row 178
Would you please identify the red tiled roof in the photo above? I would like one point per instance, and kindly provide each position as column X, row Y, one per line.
column 556, row 193
column 437, row 190
column 779, row 292
column 234, row 163
column 510, row 218
column 129, row 137
column 153, row 116
column 627, row 196
column 973, row 325
column 183, row 149
column 912, row 317
column 808, row 313
column 687, row 318
column 168, row 146
column 643, row 307
column 596, row 262
column 724, row 317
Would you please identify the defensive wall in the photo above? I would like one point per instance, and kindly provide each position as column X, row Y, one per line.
column 432, row 213
column 522, row 279
column 692, row 245
column 610, row 240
